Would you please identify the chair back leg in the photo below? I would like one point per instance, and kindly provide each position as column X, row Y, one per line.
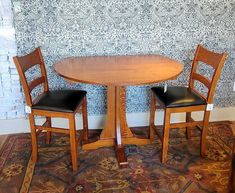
column 152, row 118
column 166, row 128
column 204, row 132
column 188, row 129
column 33, row 138
column 85, row 120
column 73, row 144
column 48, row 134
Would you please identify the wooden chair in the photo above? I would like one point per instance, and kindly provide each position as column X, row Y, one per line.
column 57, row 103
column 187, row 99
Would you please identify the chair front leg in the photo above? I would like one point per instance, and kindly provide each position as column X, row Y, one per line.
column 33, row 138
column 73, row 144
column 188, row 129
column 48, row 134
column 204, row 132
column 85, row 119
column 152, row 118
column 166, row 128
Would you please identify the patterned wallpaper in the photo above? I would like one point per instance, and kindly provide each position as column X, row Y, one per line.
column 122, row 27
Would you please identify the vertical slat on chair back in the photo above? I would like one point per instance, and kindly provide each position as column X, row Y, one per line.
column 216, row 61
column 24, row 63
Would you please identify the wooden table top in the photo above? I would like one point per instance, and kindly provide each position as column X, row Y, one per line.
column 119, row 70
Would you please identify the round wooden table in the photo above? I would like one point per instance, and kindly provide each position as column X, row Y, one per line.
column 117, row 72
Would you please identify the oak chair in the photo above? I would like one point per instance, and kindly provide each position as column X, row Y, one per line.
column 178, row 99
column 57, row 103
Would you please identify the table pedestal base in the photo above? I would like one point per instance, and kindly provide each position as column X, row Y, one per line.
column 116, row 133
column 98, row 144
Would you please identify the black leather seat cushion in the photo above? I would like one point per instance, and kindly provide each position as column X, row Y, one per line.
column 60, row 100
column 178, row 96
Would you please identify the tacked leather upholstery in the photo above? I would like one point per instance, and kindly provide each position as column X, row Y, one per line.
column 178, row 96
column 60, row 100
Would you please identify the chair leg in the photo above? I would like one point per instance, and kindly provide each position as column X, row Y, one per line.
column 166, row 128
column 48, row 134
column 33, row 138
column 73, row 144
column 152, row 118
column 188, row 129
column 204, row 132
column 85, row 120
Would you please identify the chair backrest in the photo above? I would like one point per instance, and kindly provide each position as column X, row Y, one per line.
column 24, row 63
column 216, row 61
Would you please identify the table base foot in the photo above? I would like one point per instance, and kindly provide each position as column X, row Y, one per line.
column 98, row 144
column 121, row 156
column 136, row 141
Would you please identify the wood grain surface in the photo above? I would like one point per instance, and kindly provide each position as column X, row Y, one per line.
column 119, row 70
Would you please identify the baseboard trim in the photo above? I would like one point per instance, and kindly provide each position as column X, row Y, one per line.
column 134, row 119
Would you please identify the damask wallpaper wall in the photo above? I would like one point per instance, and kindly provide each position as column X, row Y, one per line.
column 116, row 27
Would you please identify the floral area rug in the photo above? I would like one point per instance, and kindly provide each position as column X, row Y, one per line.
column 184, row 172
